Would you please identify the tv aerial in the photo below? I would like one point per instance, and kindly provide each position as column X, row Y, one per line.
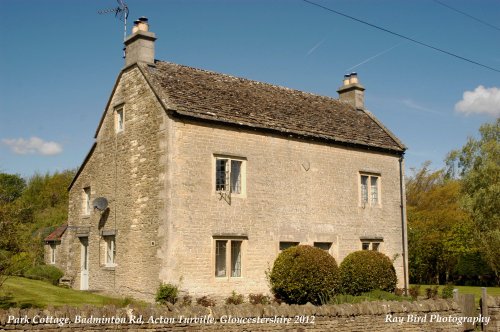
column 121, row 12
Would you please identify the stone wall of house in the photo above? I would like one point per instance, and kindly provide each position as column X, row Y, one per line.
column 127, row 168
column 428, row 315
column 296, row 190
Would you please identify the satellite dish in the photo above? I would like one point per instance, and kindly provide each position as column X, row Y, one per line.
column 100, row 203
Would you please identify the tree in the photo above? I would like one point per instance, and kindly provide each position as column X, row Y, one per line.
column 11, row 187
column 477, row 163
column 439, row 229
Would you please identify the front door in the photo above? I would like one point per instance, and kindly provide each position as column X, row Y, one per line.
column 84, row 274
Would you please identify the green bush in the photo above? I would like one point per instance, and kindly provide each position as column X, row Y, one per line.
column 447, row 291
column 235, row 298
column 366, row 270
column 431, row 292
column 166, row 293
column 48, row 273
column 414, row 291
column 303, row 274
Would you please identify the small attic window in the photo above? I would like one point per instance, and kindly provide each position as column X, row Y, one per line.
column 119, row 119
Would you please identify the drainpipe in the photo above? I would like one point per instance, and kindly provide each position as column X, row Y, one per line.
column 403, row 225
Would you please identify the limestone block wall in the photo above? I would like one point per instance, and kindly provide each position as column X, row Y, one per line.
column 296, row 190
column 127, row 168
column 367, row 316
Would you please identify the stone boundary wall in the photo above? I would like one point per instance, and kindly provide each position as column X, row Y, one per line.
column 493, row 303
column 426, row 315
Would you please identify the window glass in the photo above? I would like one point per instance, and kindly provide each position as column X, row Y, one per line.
column 285, row 245
column 374, row 189
column 236, row 176
column 220, row 258
column 364, row 188
column 235, row 258
column 220, row 174
column 323, row 245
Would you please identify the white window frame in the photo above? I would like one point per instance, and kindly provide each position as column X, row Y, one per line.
column 53, row 247
column 87, row 193
column 368, row 196
column 110, row 252
column 229, row 181
column 232, row 266
column 119, row 119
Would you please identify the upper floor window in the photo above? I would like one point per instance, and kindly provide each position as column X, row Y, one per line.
column 86, row 201
column 370, row 189
column 119, row 119
column 287, row 244
column 230, row 175
column 323, row 245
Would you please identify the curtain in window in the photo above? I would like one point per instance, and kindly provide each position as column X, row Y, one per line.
column 235, row 258
column 236, row 176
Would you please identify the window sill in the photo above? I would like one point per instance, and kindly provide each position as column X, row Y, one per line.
column 109, row 267
column 85, row 216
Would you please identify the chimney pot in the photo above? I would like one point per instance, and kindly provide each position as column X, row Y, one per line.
column 353, row 78
column 346, row 79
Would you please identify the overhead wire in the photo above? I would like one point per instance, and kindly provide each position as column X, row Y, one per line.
column 402, row 36
column 468, row 15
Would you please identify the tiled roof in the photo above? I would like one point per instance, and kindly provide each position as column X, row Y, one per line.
column 217, row 97
column 57, row 234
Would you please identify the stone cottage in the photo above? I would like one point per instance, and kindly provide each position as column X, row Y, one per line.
column 201, row 179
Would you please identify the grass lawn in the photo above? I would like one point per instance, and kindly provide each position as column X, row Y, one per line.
column 23, row 292
column 476, row 290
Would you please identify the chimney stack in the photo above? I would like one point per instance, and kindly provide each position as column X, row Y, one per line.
column 352, row 91
column 140, row 45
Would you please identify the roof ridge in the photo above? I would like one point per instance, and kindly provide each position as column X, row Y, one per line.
column 251, row 80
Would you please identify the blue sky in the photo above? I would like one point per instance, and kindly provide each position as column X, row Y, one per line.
column 59, row 60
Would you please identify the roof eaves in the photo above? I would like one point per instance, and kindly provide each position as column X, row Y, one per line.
column 384, row 128
column 87, row 157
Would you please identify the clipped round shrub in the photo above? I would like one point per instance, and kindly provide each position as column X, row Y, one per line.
column 304, row 274
column 366, row 270
column 48, row 273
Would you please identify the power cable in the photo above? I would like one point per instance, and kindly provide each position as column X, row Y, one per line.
column 468, row 15
column 403, row 36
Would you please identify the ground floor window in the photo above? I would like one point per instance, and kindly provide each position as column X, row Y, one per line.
column 367, row 245
column 110, row 250
column 323, row 245
column 285, row 245
column 53, row 253
column 228, row 258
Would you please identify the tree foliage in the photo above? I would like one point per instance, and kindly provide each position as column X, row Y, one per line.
column 478, row 166
column 29, row 210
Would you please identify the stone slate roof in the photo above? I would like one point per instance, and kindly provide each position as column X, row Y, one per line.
column 206, row 95
column 57, row 234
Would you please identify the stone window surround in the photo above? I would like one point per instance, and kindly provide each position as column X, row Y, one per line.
column 243, row 170
column 368, row 201
column 243, row 239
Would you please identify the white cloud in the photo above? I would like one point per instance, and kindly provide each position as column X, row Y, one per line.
column 33, row 145
column 480, row 101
